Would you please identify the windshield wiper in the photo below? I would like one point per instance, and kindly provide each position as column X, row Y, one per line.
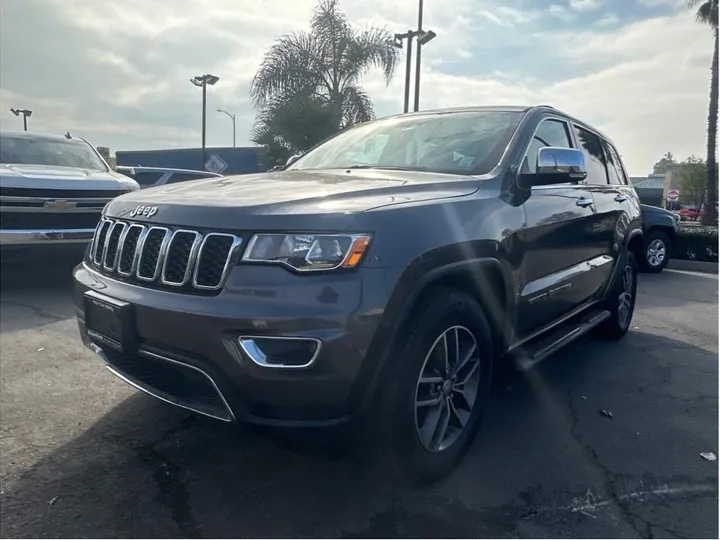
column 388, row 168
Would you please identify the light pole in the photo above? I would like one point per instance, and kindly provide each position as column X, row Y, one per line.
column 409, row 35
column 423, row 38
column 25, row 113
column 202, row 81
column 232, row 117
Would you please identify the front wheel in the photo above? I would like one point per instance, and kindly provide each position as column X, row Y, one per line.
column 620, row 301
column 435, row 390
column 656, row 252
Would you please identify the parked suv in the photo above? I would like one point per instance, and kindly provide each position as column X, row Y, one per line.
column 660, row 229
column 379, row 278
column 52, row 190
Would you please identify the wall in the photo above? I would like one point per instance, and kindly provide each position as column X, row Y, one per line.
column 225, row 160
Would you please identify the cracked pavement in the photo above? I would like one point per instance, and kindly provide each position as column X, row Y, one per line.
column 84, row 455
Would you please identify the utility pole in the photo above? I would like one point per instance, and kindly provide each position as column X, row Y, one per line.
column 202, row 81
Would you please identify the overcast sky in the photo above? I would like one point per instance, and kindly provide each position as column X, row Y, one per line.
column 117, row 71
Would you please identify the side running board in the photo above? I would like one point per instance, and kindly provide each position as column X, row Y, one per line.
column 533, row 353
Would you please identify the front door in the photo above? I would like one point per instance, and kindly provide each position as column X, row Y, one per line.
column 563, row 242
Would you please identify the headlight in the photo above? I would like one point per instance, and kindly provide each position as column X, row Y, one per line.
column 308, row 252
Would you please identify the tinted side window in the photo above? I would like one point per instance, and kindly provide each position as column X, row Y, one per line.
column 549, row 133
column 615, row 170
column 594, row 156
column 147, row 178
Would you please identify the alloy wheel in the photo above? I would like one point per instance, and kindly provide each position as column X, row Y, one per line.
column 655, row 253
column 625, row 303
column 447, row 388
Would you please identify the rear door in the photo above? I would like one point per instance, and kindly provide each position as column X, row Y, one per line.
column 561, row 240
column 614, row 200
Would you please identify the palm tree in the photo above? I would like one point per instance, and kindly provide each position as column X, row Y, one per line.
column 324, row 66
column 286, row 127
column 707, row 13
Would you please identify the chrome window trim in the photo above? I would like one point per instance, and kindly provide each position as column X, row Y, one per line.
column 191, row 262
column 571, row 136
column 237, row 242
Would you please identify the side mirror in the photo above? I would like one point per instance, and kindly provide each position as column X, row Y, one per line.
column 556, row 166
column 124, row 169
column 292, row 159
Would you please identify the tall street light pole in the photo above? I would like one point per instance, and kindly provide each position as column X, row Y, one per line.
column 422, row 39
column 232, row 117
column 202, row 81
column 25, row 114
column 409, row 35
column 419, row 55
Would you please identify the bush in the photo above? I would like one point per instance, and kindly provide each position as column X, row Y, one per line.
column 696, row 244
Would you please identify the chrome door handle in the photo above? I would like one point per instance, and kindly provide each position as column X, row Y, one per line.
column 583, row 201
column 620, row 198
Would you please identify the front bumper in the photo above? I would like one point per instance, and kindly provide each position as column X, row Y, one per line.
column 37, row 237
column 188, row 348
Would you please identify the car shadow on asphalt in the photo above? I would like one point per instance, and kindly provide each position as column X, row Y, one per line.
column 36, row 292
column 148, row 470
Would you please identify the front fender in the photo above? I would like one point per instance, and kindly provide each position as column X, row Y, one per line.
column 488, row 279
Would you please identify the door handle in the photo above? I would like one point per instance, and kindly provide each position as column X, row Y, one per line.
column 584, row 201
column 620, row 198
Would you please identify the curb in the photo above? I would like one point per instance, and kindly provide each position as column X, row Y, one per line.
column 693, row 266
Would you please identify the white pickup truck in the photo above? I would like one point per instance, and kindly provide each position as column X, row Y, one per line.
column 52, row 190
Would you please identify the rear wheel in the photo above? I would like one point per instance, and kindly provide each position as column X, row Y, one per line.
column 435, row 390
column 620, row 302
column 656, row 252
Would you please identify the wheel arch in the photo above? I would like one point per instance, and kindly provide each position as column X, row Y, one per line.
column 636, row 243
column 486, row 279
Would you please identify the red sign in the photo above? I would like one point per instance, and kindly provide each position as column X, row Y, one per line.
column 673, row 195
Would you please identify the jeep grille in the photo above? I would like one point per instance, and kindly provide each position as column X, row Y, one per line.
column 164, row 256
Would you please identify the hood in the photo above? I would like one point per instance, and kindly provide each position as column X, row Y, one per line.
column 265, row 199
column 653, row 214
column 53, row 177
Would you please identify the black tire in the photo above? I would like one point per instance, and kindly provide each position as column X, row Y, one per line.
column 616, row 326
column 655, row 242
column 392, row 423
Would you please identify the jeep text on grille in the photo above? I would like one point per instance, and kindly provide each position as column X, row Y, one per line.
column 376, row 281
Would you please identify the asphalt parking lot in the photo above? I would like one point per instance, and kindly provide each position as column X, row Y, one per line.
column 84, row 455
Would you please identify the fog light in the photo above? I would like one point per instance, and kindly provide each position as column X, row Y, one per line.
column 280, row 352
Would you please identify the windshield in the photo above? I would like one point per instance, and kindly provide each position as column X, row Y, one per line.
column 454, row 143
column 55, row 152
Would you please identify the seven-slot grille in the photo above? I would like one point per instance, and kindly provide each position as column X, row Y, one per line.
column 160, row 255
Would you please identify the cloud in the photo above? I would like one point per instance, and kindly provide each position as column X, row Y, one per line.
column 609, row 19
column 118, row 72
column 561, row 12
column 584, row 5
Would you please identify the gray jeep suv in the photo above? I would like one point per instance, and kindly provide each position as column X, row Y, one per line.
column 378, row 279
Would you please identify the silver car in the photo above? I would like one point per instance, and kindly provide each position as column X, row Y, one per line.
column 53, row 189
